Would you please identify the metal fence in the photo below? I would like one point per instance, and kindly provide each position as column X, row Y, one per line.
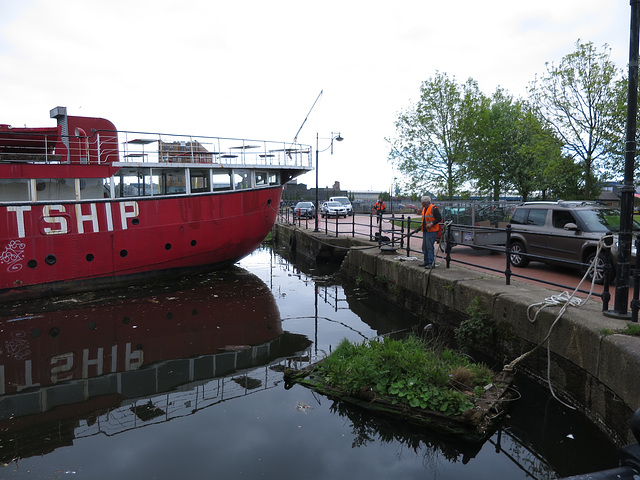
column 395, row 232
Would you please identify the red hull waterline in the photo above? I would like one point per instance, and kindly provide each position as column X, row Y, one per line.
column 88, row 215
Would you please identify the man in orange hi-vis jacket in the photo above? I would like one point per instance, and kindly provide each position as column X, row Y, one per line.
column 430, row 226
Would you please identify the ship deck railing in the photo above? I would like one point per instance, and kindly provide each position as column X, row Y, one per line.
column 108, row 147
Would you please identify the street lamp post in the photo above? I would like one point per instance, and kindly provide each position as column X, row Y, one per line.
column 339, row 139
column 621, row 298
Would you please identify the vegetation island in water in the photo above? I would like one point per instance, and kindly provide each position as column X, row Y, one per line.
column 408, row 379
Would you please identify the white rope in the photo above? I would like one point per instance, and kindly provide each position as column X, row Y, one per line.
column 554, row 300
column 566, row 300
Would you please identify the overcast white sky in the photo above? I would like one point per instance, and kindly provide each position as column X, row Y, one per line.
column 253, row 68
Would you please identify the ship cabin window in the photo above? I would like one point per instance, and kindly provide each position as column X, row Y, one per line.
column 261, row 179
column 106, row 187
column 93, row 188
column 273, row 178
column 135, row 182
column 241, row 179
column 200, row 180
column 55, row 189
column 172, row 181
column 14, row 189
column 222, row 180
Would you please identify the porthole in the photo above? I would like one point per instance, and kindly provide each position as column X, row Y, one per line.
column 32, row 264
column 193, row 243
column 194, row 312
column 92, row 325
column 123, row 253
column 135, row 221
column 89, row 257
column 35, row 333
column 269, row 202
column 126, row 320
column 167, row 246
column 54, row 332
column 169, row 315
column 50, row 259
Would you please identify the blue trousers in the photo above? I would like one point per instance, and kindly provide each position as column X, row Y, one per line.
column 428, row 239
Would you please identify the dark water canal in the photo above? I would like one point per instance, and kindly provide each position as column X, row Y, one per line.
column 182, row 382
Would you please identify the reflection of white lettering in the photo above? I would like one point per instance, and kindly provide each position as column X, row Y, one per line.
column 86, row 362
column 67, row 358
column 59, row 221
column 28, row 377
column 20, row 218
column 124, row 213
column 114, row 359
column 91, row 217
column 64, row 363
column 133, row 360
column 63, row 367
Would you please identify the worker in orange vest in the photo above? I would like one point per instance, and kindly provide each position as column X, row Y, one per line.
column 430, row 227
column 379, row 208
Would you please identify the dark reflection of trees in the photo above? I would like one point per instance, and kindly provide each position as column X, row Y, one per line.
column 367, row 427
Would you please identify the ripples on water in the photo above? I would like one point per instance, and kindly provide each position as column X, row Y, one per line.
column 184, row 381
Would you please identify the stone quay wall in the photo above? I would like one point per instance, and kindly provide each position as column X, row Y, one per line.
column 589, row 366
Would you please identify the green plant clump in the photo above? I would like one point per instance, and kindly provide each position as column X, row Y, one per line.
column 477, row 330
column 632, row 329
column 406, row 372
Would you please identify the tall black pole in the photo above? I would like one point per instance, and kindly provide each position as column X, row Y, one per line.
column 317, row 205
column 626, row 209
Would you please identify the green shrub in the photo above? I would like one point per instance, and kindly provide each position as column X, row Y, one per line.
column 406, row 372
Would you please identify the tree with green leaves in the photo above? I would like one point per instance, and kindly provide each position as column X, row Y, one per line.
column 430, row 147
column 562, row 178
column 580, row 98
column 535, row 147
column 508, row 146
column 490, row 129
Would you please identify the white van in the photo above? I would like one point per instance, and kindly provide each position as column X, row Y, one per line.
column 344, row 201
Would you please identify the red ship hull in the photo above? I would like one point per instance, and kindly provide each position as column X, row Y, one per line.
column 169, row 234
column 86, row 215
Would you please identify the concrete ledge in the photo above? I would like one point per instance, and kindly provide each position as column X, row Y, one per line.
column 599, row 371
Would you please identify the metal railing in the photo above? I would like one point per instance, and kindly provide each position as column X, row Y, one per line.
column 107, row 146
column 398, row 235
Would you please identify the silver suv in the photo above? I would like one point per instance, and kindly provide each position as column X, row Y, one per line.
column 345, row 202
column 565, row 233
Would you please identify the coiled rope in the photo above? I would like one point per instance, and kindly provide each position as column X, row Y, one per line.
column 566, row 300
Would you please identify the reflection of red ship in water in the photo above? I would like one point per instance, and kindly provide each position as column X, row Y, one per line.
column 78, row 370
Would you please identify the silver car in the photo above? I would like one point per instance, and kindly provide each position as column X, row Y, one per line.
column 333, row 209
